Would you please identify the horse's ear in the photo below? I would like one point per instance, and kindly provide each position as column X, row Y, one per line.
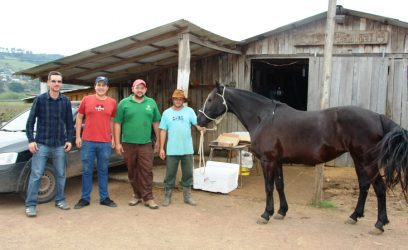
column 219, row 86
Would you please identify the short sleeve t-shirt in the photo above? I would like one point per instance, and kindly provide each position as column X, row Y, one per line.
column 178, row 124
column 98, row 115
column 136, row 119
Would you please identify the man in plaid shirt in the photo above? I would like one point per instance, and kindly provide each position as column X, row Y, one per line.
column 53, row 114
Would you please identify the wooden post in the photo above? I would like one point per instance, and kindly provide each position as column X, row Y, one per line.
column 325, row 88
column 43, row 87
column 183, row 74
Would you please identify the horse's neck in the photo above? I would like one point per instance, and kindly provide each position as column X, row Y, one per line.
column 247, row 108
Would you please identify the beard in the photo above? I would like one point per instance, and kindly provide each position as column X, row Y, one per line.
column 139, row 95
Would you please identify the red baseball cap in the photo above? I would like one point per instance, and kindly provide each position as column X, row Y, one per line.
column 139, row 81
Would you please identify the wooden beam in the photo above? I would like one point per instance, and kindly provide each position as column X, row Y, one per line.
column 135, row 45
column 183, row 71
column 155, row 66
column 145, row 67
column 133, row 59
column 212, row 45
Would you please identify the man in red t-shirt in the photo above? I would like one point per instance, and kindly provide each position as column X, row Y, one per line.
column 96, row 142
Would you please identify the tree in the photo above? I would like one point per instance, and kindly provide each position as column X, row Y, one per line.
column 16, row 87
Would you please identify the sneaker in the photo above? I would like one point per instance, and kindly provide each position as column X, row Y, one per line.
column 31, row 211
column 108, row 202
column 151, row 204
column 134, row 201
column 62, row 205
column 81, row 203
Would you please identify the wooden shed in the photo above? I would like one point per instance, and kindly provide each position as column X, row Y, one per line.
column 370, row 64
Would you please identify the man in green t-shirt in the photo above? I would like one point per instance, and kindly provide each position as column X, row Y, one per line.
column 135, row 117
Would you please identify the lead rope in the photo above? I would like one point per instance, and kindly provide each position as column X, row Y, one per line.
column 201, row 159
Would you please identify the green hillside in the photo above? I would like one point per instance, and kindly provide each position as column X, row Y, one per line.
column 15, row 87
column 14, row 63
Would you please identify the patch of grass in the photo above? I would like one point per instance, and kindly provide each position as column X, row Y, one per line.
column 7, row 96
column 326, row 204
column 10, row 109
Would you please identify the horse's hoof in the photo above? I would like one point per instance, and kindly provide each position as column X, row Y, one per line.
column 278, row 216
column 262, row 221
column 376, row 231
column 350, row 221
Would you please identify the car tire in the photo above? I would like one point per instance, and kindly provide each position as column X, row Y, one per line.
column 48, row 185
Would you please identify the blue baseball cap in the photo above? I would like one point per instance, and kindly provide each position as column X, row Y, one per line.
column 102, row 78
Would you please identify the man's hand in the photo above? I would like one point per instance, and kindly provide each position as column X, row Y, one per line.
column 119, row 149
column 162, row 154
column 201, row 129
column 78, row 142
column 33, row 147
column 67, row 146
column 156, row 147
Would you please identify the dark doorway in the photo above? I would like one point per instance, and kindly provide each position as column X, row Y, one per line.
column 284, row 80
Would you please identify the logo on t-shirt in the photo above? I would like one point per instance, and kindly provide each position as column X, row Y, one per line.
column 99, row 107
column 178, row 118
column 148, row 107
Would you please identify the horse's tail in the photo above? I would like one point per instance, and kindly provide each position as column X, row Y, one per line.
column 393, row 158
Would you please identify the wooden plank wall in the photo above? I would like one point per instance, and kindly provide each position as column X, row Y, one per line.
column 397, row 96
column 375, row 82
column 284, row 43
column 357, row 81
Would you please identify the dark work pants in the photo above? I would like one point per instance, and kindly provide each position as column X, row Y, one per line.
column 139, row 162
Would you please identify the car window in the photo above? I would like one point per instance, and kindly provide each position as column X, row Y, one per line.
column 19, row 122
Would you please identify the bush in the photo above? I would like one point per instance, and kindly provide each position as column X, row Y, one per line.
column 16, row 87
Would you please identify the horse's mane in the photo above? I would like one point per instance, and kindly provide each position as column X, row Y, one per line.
column 252, row 95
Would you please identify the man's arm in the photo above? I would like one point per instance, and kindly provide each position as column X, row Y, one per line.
column 157, row 134
column 78, row 125
column 32, row 145
column 69, row 126
column 116, row 135
column 163, row 134
column 113, row 137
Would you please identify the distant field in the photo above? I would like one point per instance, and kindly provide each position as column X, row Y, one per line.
column 15, row 63
column 9, row 109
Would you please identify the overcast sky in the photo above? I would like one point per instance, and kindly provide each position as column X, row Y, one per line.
column 70, row 26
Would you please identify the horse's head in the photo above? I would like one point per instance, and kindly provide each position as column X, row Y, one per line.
column 214, row 106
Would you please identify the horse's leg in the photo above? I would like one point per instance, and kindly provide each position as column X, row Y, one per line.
column 268, row 169
column 382, row 218
column 283, row 205
column 364, row 186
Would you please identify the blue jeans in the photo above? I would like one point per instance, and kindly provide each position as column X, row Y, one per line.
column 38, row 164
column 90, row 151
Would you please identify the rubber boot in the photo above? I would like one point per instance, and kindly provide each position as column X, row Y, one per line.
column 167, row 197
column 187, row 196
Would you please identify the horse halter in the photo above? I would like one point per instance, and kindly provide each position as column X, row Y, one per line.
column 223, row 102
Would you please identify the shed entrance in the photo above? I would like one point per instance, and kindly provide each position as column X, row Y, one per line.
column 285, row 80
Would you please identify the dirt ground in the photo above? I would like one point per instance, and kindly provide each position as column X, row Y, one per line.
column 220, row 221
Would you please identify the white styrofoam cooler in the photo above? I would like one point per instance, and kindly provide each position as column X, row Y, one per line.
column 216, row 177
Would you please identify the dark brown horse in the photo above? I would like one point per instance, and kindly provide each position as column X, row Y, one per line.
column 281, row 134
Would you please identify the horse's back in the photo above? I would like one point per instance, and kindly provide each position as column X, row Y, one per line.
column 312, row 137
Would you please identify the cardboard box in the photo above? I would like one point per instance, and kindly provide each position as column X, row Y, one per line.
column 217, row 176
column 243, row 136
column 228, row 140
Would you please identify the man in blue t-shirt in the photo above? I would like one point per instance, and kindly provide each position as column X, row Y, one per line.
column 176, row 125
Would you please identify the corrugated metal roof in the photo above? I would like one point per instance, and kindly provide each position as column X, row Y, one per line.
column 339, row 11
column 158, row 47
column 139, row 53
